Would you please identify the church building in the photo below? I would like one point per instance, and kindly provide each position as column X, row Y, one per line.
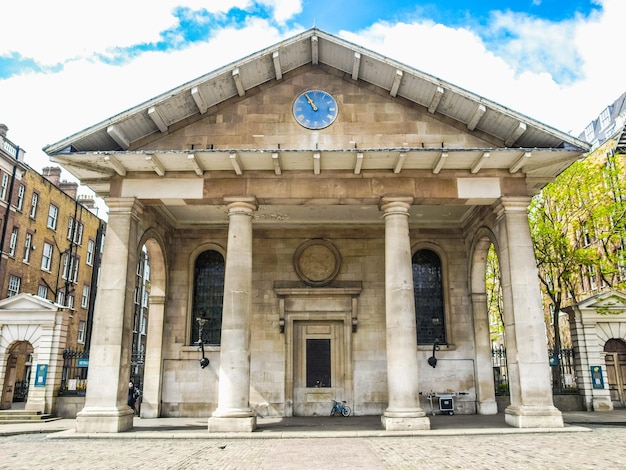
column 317, row 219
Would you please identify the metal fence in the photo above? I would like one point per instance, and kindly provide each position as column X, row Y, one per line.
column 561, row 366
column 74, row 374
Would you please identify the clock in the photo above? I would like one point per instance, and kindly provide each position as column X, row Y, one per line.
column 315, row 109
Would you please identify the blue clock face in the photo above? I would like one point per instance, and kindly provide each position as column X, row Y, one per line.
column 315, row 109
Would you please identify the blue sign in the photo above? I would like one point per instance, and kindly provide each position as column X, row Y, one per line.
column 40, row 375
column 83, row 362
column 597, row 381
column 554, row 361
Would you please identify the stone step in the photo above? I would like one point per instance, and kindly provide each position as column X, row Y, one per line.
column 22, row 416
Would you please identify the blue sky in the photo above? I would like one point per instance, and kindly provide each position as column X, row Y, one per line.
column 74, row 63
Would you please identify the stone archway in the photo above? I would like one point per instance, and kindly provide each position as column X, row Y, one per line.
column 153, row 367
column 485, row 390
column 17, row 374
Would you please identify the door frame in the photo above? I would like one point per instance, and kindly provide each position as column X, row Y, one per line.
column 322, row 304
column 618, row 366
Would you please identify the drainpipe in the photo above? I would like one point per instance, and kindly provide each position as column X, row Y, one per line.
column 5, row 224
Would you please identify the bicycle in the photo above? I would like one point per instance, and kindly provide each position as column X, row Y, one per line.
column 341, row 408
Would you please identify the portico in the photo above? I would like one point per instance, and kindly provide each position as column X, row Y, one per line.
column 326, row 259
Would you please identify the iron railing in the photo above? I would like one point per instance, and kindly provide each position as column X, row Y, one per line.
column 74, row 374
column 561, row 365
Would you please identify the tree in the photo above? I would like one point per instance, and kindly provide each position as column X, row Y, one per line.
column 577, row 227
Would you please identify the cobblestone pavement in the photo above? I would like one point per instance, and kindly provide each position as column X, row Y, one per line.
column 601, row 447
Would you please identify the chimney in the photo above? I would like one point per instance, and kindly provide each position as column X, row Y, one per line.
column 71, row 189
column 52, row 174
column 3, row 130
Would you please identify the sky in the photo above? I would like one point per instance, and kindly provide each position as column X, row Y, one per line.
column 69, row 64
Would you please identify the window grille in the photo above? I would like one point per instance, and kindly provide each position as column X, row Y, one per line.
column 428, row 292
column 208, row 297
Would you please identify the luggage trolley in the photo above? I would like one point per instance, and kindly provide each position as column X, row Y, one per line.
column 446, row 402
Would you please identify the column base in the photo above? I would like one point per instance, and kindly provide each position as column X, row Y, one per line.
column 533, row 417
column 602, row 404
column 96, row 420
column 417, row 422
column 487, row 407
column 243, row 424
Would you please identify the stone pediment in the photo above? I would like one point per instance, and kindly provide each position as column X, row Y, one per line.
column 607, row 303
column 239, row 119
column 27, row 302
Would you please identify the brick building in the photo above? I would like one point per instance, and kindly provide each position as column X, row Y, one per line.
column 51, row 241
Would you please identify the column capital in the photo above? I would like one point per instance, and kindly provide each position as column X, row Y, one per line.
column 395, row 204
column 121, row 205
column 509, row 205
column 241, row 205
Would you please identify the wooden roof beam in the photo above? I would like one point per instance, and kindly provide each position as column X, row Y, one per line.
column 277, row 68
column 199, row 100
column 157, row 118
column 476, row 117
column 479, row 162
column 435, row 100
column 156, row 165
column 358, row 164
column 235, row 161
column 519, row 163
column 118, row 136
column 399, row 162
column 516, row 132
column 238, row 83
column 397, row 78
column 115, row 164
column 439, row 163
column 276, row 162
column 356, row 64
column 317, row 163
column 195, row 164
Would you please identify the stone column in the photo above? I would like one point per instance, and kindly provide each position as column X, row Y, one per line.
column 483, row 365
column 233, row 407
column 106, row 404
column 526, row 343
column 151, row 393
column 403, row 411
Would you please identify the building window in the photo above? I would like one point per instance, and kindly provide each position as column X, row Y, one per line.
column 42, row 291
column 61, row 297
column 605, row 118
column 75, row 231
column 5, row 186
column 70, row 302
column 589, row 133
column 428, row 292
column 84, row 298
column 33, row 205
column 13, row 241
column 70, row 268
column 14, row 286
column 20, row 197
column 208, row 297
column 28, row 241
column 81, row 332
column 46, row 257
column 53, row 214
column 91, row 246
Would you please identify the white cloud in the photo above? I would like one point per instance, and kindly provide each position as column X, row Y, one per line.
column 41, row 109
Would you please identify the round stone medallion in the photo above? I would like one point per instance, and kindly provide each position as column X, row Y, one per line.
column 317, row 262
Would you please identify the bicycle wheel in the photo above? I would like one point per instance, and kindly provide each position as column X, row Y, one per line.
column 346, row 410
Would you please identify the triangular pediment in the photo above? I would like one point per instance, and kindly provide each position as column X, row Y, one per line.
column 611, row 302
column 488, row 135
column 27, row 302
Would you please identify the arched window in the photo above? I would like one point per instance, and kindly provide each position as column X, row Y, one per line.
column 428, row 292
column 208, row 297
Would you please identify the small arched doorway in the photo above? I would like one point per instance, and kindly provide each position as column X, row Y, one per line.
column 17, row 376
column 615, row 360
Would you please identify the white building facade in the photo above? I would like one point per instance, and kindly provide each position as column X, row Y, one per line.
column 320, row 216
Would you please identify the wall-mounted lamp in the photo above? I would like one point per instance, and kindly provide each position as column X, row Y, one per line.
column 432, row 360
column 281, row 324
column 204, row 361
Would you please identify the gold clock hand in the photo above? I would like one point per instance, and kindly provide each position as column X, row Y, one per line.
column 310, row 101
